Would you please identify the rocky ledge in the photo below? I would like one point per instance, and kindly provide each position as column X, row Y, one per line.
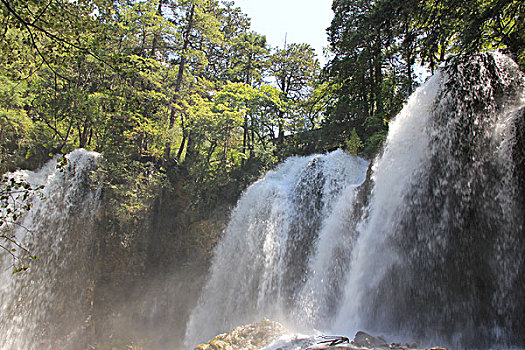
column 249, row 337
column 270, row 335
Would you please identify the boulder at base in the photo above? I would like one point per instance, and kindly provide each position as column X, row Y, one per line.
column 363, row 339
column 249, row 337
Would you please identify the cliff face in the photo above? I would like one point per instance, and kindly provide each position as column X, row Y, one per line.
column 151, row 265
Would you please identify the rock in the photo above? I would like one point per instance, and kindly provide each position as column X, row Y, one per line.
column 249, row 337
column 369, row 341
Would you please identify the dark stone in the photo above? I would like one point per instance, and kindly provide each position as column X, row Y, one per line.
column 369, row 341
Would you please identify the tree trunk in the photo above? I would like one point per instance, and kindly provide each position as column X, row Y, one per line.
column 156, row 36
column 181, row 147
column 190, row 149
column 186, row 44
column 178, row 82
column 244, row 138
column 280, row 133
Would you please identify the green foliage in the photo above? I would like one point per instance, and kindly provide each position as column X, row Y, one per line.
column 249, row 58
column 158, row 87
column 131, row 187
column 471, row 26
column 377, row 46
column 294, row 69
column 182, row 81
column 15, row 139
column 353, row 144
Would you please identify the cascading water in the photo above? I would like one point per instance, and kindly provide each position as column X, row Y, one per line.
column 277, row 236
column 402, row 161
column 438, row 254
column 47, row 306
column 441, row 259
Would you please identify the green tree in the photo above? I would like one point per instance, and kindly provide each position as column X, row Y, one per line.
column 197, row 24
column 357, row 71
column 376, row 46
column 295, row 70
column 250, row 59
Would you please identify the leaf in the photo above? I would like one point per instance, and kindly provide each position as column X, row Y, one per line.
column 20, row 269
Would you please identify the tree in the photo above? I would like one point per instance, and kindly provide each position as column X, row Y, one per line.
column 198, row 24
column 250, row 58
column 376, row 46
column 221, row 55
column 363, row 48
column 472, row 25
column 295, row 69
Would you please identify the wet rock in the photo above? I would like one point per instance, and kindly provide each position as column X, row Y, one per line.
column 249, row 337
column 399, row 346
column 369, row 341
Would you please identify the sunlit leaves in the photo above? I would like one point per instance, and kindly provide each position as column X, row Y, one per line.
column 295, row 68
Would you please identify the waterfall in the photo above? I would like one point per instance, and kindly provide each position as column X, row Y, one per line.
column 278, row 235
column 435, row 255
column 401, row 163
column 441, row 253
column 47, row 306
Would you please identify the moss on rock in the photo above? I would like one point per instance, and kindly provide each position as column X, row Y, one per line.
column 249, row 337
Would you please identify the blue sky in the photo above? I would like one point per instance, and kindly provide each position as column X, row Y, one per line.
column 301, row 21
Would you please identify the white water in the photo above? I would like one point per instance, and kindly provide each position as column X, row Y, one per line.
column 264, row 214
column 406, row 150
column 43, row 307
column 264, row 258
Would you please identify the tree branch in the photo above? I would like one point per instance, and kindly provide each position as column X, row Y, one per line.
column 29, row 25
